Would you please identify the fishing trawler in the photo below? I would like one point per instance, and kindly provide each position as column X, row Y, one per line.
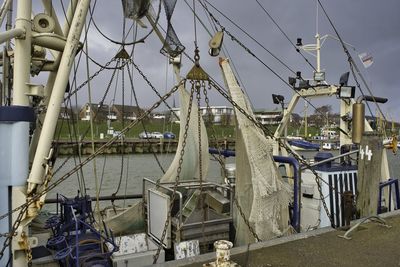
column 181, row 214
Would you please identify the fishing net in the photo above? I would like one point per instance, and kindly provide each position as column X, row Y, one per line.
column 172, row 46
column 190, row 166
column 135, row 9
column 262, row 195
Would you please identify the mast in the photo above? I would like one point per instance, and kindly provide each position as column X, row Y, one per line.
column 56, row 98
column 5, row 88
column 305, row 120
column 14, row 129
column 16, row 119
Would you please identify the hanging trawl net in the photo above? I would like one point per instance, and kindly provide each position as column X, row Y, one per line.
column 262, row 195
column 135, row 9
column 172, row 46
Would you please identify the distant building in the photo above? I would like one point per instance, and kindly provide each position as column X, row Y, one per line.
column 158, row 116
column 65, row 113
column 98, row 113
column 267, row 117
column 126, row 112
column 218, row 115
column 105, row 112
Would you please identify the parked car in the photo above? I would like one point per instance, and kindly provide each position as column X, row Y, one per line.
column 157, row 135
column 119, row 134
column 169, row 135
column 145, row 135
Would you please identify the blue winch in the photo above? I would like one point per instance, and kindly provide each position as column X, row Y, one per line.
column 75, row 241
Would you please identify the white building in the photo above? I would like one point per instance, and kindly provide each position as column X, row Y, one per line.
column 217, row 114
column 268, row 117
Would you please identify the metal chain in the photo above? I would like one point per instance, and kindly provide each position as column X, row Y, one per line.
column 151, row 86
column 236, row 202
column 248, row 50
column 280, row 143
column 24, row 243
column 7, row 234
column 137, row 104
column 92, row 156
column 198, row 85
column 90, row 78
column 214, row 134
column 25, row 206
column 246, row 221
column 209, row 113
column 101, row 103
column 178, row 173
column 13, row 232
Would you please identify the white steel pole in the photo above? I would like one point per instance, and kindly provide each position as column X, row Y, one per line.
column 52, row 76
column 22, row 56
column 19, row 139
column 50, row 122
column 318, row 52
column 3, row 10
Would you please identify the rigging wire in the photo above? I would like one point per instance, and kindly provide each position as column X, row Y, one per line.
column 60, row 128
column 141, row 40
column 128, row 65
column 208, row 108
column 122, row 147
column 133, row 92
column 65, row 13
column 263, row 63
column 73, row 132
column 224, row 48
column 122, row 139
column 22, row 208
column 248, row 35
column 142, row 122
column 91, row 20
column 66, row 100
column 76, row 133
column 287, row 37
column 353, row 66
column 195, row 24
column 98, row 108
column 96, row 180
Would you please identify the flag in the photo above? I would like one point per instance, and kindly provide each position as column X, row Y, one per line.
column 366, row 59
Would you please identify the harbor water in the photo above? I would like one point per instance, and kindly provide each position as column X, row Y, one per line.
column 113, row 171
column 126, row 172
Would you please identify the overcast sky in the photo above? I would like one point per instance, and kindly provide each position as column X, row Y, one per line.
column 369, row 25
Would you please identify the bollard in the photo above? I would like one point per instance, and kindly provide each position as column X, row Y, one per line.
column 369, row 173
column 222, row 250
column 348, row 208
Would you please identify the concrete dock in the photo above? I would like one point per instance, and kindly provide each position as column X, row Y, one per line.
column 371, row 245
column 130, row 146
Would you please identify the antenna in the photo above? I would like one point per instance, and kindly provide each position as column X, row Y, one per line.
column 316, row 19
